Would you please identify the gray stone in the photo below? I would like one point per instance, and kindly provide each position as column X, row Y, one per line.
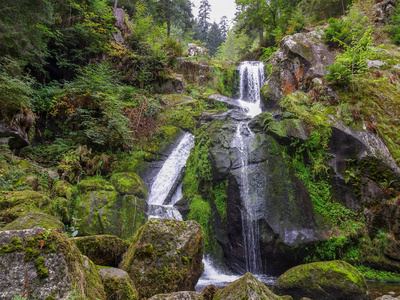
column 384, row 10
column 17, row 138
column 118, row 285
column 178, row 296
column 171, row 85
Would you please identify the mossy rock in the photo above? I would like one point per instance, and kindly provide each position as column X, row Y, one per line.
column 118, row 285
column 323, row 280
column 165, row 256
column 167, row 135
column 61, row 187
column 95, row 184
column 107, row 212
column 129, row 183
column 22, row 202
column 104, row 250
column 247, row 287
column 35, row 219
column 56, row 267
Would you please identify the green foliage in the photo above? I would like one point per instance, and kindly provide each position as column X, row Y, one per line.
column 220, row 197
column 200, row 211
column 394, row 26
column 330, row 249
column 318, row 10
column 15, row 90
column 373, row 274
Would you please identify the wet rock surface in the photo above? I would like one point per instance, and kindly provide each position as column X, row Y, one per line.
column 118, row 285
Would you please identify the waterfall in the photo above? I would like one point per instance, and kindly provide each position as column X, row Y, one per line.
column 251, row 79
column 162, row 195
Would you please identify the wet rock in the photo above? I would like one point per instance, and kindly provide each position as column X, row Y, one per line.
column 129, row 183
column 231, row 103
column 35, row 219
column 165, row 256
column 178, row 296
column 107, row 212
column 247, row 287
column 209, row 292
column 103, row 250
column 45, row 264
column 118, row 285
column 323, row 280
column 300, row 58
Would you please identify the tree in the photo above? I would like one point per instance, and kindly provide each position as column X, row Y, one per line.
column 224, row 27
column 177, row 12
column 214, row 38
column 204, row 17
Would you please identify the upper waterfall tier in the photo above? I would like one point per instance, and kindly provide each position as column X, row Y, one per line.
column 251, row 79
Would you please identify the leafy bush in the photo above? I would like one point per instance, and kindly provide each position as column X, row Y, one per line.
column 394, row 27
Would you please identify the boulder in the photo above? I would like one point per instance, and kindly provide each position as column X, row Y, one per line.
column 165, row 256
column 118, row 285
column 19, row 203
column 247, row 287
column 103, row 250
column 35, row 219
column 193, row 71
column 107, row 212
column 61, row 187
column 300, row 58
column 170, row 85
column 209, row 292
column 129, row 183
column 383, row 10
column 323, row 280
column 45, row 263
column 95, row 184
column 178, row 296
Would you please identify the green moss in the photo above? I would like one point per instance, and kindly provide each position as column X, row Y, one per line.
column 16, row 241
column 50, row 298
column 41, row 271
column 129, row 183
column 220, row 196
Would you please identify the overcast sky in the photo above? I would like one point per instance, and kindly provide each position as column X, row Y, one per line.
column 219, row 8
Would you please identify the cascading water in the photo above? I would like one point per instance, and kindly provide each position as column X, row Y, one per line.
column 160, row 201
column 251, row 79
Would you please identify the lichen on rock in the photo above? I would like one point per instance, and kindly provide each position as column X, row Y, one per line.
column 129, row 183
column 117, row 284
column 35, row 219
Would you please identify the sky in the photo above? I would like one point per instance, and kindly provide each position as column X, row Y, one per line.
column 219, row 8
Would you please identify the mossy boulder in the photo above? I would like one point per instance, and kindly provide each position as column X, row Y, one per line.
column 323, row 280
column 61, row 187
column 118, row 285
column 129, row 183
column 35, row 219
column 104, row 250
column 247, row 287
column 165, row 256
column 107, row 212
column 179, row 296
column 95, row 184
column 48, row 263
column 20, row 203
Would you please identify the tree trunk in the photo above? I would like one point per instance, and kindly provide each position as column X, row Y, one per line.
column 115, row 4
column 169, row 27
column 261, row 35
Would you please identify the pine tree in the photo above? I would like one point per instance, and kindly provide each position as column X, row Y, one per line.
column 178, row 12
column 214, row 38
column 224, row 27
column 203, row 19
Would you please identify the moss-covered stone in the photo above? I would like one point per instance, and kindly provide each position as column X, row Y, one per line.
column 178, row 296
column 247, row 287
column 57, row 267
column 118, row 285
column 155, row 258
column 20, row 203
column 104, row 250
column 129, row 183
column 35, row 219
column 107, row 212
column 95, row 184
column 323, row 280
column 60, row 188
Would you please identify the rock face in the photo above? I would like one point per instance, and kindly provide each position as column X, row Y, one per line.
column 118, row 285
column 247, row 287
column 35, row 219
column 103, row 250
column 165, row 256
column 179, row 296
column 194, row 72
column 300, row 58
column 383, row 10
column 323, row 280
column 129, row 183
column 171, row 85
column 43, row 263
column 18, row 137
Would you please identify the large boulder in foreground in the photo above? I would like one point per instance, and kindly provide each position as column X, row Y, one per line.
column 165, row 256
column 103, row 250
column 118, row 285
column 45, row 263
column 35, row 219
column 247, row 287
column 323, row 280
